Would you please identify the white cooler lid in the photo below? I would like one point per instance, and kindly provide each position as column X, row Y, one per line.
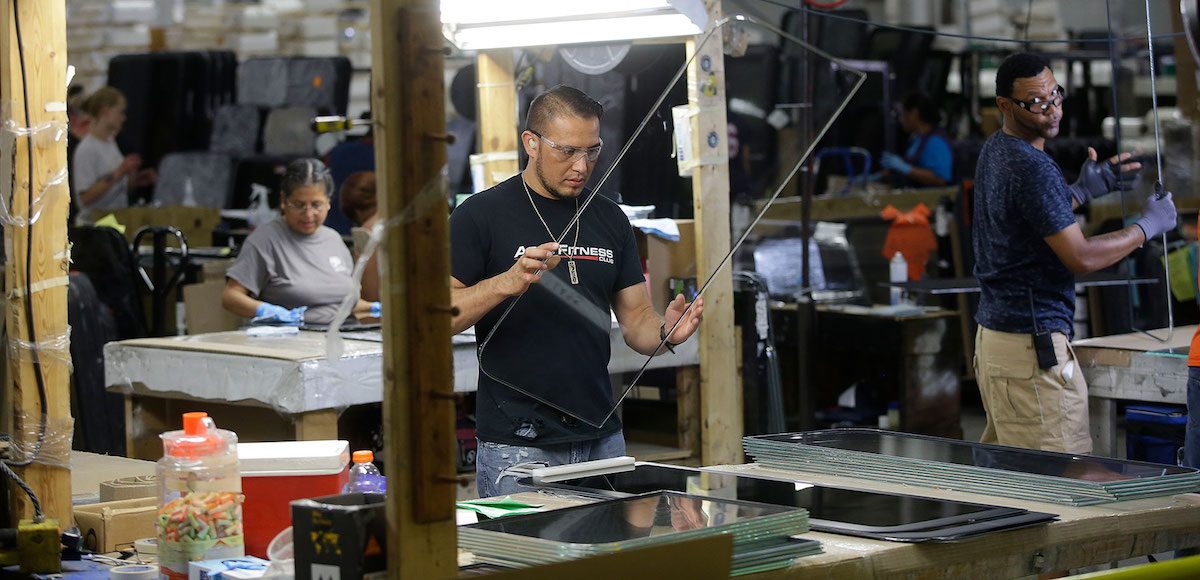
column 293, row 458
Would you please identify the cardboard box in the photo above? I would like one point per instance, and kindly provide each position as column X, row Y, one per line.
column 136, row 487
column 196, row 223
column 203, row 311
column 340, row 536
column 116, row 524
column 666, row 259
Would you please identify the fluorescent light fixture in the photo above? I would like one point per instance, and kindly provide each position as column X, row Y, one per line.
column 488, row 24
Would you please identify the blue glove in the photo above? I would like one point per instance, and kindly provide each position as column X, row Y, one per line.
column 895, row 163
column 376, row 310
column 268, row 313
column 1158, row 216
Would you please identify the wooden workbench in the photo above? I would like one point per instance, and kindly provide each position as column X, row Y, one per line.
column 1131, row 367
column 1084, row 536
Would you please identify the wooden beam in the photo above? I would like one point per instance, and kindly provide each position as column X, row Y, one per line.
column 720, row 399
column 37, row 252
column 317, row 425
column 497, row 115
column 1185, row 69
column 418, row 398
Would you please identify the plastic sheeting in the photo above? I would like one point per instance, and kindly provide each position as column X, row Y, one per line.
column 292, row 374
column 289, row 132
column 211, row 176
column 289, row 374
column 236, row 130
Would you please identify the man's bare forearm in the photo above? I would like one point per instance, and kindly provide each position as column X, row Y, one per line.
column 473, row 302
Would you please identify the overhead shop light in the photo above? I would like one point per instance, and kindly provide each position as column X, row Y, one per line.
column 487, row 24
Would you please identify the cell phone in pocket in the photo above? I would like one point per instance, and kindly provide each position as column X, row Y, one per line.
column 1043, row 346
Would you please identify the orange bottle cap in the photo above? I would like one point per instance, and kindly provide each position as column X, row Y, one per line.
column 198, row 438
column 193, row 423
column 365, row 456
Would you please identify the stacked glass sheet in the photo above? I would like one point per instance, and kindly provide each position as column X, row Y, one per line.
column 762, row 533
column 910, row 459
column 882, row 516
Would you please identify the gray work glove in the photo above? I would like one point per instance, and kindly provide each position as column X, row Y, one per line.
column 1158, row 216
column 1099, row 178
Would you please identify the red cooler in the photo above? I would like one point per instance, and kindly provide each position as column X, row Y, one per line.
column 275, row 474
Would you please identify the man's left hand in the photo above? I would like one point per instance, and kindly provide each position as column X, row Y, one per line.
column 1098, row 178
column 691, row 322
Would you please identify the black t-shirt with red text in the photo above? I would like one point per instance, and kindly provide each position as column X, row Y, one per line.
column 554, row 344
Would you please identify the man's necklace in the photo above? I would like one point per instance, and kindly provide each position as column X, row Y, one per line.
column 570, row 261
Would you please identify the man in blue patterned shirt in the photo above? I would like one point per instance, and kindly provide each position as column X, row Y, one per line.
column 1028, row 249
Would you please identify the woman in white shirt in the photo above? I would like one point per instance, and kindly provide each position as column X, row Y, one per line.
column 102, row 174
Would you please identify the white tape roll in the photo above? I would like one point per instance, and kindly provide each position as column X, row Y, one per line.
column 134, row 572
column 146, row 546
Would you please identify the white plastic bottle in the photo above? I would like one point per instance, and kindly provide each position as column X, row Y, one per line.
column 897, row 273
column 364, row 476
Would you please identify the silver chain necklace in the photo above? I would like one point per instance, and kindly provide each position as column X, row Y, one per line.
column 571, row 269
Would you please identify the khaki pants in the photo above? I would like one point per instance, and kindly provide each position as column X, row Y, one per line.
column 1027, row 406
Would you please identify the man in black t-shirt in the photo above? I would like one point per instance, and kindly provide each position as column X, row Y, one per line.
column 544, row 394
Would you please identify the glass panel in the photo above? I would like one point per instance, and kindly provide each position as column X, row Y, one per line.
column 569, row 296
column 864, row 508
column 1013, row 459
column 634, row 518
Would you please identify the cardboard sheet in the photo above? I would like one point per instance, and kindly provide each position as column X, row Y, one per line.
column 1138, row 341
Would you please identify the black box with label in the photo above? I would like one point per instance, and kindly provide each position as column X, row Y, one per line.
column 340, row 536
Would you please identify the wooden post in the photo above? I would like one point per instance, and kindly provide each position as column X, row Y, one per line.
column 497, row 115
column 36, row 271
column 720, row 399
column 418, row 398
column 1185, row 69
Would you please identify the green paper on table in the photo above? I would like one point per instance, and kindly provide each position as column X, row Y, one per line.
column 498, row 508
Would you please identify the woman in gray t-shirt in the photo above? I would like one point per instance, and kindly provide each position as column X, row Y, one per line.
column 293, row 269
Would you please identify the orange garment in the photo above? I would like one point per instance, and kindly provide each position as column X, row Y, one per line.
column 1194, row 351
column 910, row 235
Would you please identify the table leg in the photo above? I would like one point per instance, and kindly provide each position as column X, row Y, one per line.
column 1102, row 415
column 317, row 425
column 129, row 426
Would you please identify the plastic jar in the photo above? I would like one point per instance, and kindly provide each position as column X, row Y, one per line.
column 200, row 496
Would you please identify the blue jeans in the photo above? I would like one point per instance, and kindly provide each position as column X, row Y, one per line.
column 494, row 460
column 1191, row 441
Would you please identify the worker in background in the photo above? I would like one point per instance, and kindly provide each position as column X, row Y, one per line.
column 294, row 270
column 1191, row 440
column 78, row 126
column 357, row 202
column 102, row 174
column 1028, row 249
column 928, row 160
column 545, row 338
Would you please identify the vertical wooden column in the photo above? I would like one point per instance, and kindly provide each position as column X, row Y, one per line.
column 497, row 115
column 418, row 407
column 36, row 270
column 1185, row 69
column 720, row 398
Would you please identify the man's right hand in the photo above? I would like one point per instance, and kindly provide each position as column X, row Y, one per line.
column 527, row 269
column 1158, row 216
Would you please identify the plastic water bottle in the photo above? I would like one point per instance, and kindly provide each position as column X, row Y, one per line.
column 189, row 193
column 897, row 273
column 364, row 476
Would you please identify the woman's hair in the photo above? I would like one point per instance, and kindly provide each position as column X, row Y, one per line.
column 357, row 196
column 303, row 173
column 103, row 98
